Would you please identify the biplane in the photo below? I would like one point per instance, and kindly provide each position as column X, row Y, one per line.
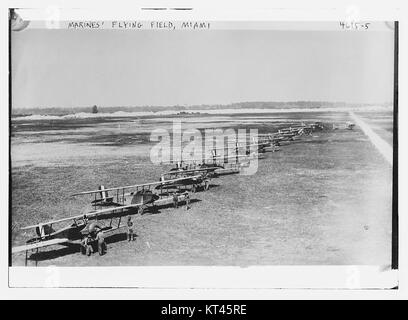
column 285, row 134
column 140, row 196
column 216, row 164
column 247, row 150
column 193, row 165
column 46, row 235
column 288, row 134
column 122, row 201
column 191, row 169
column 211, row 169
column 296, row 130
column 317, row 126
column 196, row 178
column 242, row 148
column 203, row 165
column 348, row 125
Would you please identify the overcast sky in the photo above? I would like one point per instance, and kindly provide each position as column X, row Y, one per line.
column 69, row 68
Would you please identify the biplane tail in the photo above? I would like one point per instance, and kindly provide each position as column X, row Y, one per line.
column 43, row 230
column 104, row 196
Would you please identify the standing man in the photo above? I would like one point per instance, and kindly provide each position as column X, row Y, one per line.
column 89, row 245
column 187, row 197
column 100, row 237
column 84, row 244
column 130, row 229
column 93, row 230
column 175, row 200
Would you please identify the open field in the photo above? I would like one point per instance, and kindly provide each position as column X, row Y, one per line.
column 323, row 199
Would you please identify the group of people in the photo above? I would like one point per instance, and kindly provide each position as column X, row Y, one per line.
column 93, row 241
column 186, row 198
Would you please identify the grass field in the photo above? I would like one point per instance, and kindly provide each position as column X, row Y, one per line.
column 324, row 199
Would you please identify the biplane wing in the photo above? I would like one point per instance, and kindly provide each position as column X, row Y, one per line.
column 116, row 188
column 93, row 213
column 89, row 214
column 247, row 156
column 136, row 186
column 243, row 145
column 181, row 179
column 40, row 244
column 186, row 171
column 55, row 241
column 48, row 223
column 190, row 159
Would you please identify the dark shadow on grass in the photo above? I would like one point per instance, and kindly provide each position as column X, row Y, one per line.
column 149, row 209
column 156, row 210
column 117, row 237
column 310, row 141
column 72, row 248
column 217, row 175
column 55, row 253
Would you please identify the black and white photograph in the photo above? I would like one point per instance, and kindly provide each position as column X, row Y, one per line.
column 192, row 143
column 178, row 147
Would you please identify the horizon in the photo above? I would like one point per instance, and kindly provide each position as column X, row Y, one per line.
column 234, row 105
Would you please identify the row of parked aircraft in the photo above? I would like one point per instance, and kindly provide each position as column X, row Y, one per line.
column 112, row 204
